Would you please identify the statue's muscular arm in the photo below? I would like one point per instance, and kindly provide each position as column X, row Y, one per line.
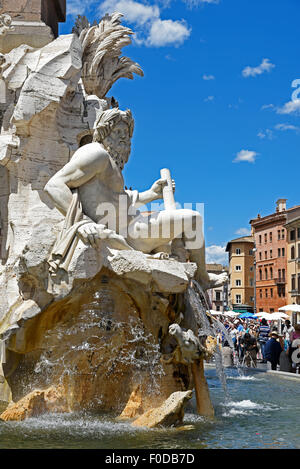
column 86, row 162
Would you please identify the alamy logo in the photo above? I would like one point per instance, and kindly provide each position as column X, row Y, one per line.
column 296, row 93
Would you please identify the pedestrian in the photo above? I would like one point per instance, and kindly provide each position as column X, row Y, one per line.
column 287, row 331
column 263, row 335
column 272, row 350
column 249, row 346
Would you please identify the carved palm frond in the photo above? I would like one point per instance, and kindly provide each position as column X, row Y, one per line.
column 102, row 62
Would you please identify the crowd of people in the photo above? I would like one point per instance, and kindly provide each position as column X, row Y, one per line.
column 261, row 341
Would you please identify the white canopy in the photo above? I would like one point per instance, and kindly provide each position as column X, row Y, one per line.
column 279, row 315
column 231, row 314
column 215, row 313
column 264, row 315
column 294, row 308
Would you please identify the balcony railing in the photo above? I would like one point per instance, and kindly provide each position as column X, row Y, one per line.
column 295, row 293
column 280, row 280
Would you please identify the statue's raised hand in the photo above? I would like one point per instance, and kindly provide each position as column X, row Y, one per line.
column 92, row 233
column 157, row 188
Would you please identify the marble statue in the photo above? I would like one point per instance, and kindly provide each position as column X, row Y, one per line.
column 95, row 171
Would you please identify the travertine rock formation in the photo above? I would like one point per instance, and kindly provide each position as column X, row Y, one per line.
column 171, row 412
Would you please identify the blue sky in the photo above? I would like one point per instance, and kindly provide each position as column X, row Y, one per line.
column 215, row 104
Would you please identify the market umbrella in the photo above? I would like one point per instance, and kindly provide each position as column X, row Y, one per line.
column 231, row 314
column 293, row 308
column 214, row 313
column 247, row 316
column 277, row 315
column 264, row 315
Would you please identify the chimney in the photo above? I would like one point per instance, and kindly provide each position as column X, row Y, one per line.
column 281, row 205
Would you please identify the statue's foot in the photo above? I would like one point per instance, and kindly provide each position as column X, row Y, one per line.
column 217, row 280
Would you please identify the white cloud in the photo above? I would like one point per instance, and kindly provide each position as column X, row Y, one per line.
column 134, row 12
column 209, row 99
column 152, row 31
column 245, row 155
column 193, row 3
column 291, row 107
column 268, row 133
column 78, row 7
column 216, row 254
column 243, row 232
column 265, row 66
column 267, row 106
column 284, row 127
column 167, row 32
column 208, row 77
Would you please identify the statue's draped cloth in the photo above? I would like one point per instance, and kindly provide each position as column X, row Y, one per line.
column 65, row 245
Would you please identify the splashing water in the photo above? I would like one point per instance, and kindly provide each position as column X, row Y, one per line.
column 95, row 332
column 197, row 299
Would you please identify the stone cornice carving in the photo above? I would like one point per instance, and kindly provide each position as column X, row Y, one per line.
column 5, row 24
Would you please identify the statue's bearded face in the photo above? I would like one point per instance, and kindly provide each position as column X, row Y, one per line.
column 118, row 143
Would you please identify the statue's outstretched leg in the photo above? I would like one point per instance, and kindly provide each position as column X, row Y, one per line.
column 147, row 234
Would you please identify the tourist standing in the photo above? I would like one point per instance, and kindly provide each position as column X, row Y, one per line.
column 287, row 331
column 272, row 350
column 249, row 346
column 263, row 335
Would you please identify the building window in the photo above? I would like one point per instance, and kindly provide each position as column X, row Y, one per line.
column 293, row 252
column 271, row 292
column 260, row 293
column 259, row 239
column 266, row 238
column 218, row 308
column 283, row 274
column 278, row 232
column 279, row 252
column 270, row 236
column 292, row 235
column 260, row 310
column 260, row 256
column 271, row 254
column 281, row 290
column 282, row 234
column 238, row 268
column 299, row 250
column 283, row 252
column 266, row 273
column 266, row 254
column 251, row 282
column 266, row 292
column 260, row 274
column 271, row 273
column 238, row 299
column 293, row 282
column 279, row 274
column 298, row 233
column 272, row 310
column 238, row 251
column 238, row 283
column 218, row 296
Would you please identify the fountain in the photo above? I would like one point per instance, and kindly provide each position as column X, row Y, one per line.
column 92, row 318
